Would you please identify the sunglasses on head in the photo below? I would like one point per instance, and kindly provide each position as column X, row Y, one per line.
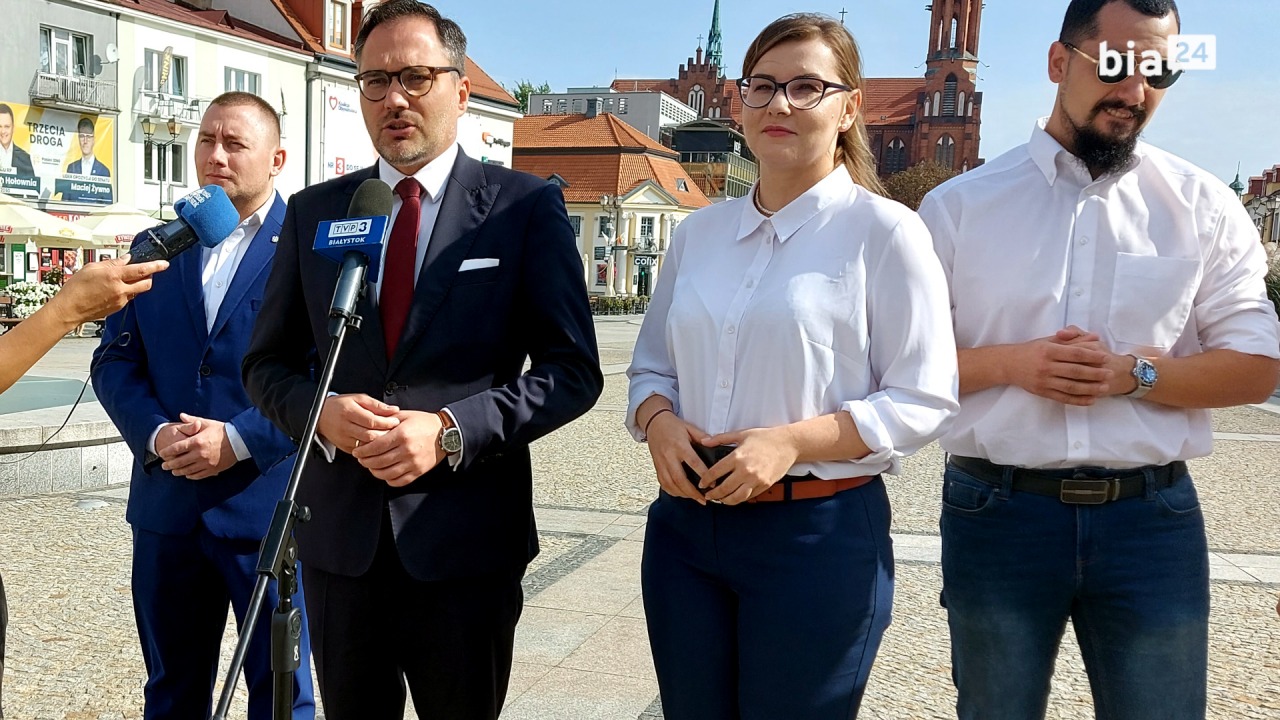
column 1122, row 70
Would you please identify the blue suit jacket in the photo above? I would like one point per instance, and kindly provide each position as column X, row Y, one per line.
column 157, row 360
column 75, row 168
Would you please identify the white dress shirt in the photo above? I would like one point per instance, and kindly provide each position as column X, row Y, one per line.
column 219, row 265
column 6, row 156
column 86, row 164
column 836, row 303
column 1159, row 259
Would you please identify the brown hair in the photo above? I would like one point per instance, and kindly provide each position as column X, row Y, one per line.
column 237, row 98
column 853, row 149
column 451, row 36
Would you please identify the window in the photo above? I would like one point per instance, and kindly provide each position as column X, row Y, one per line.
column 603, row 222
column 945, row 152
column 339, row 23
column 937, row 103
column 955, row 33
column 546, row 106
column 575, row 222
column 622, row 106
column 681, row 185
column 165, row 163
column 895, row 157
column 579, row 106
column 646, row 227
column 64, row 53
column 243, row 80
column 156, row 80
column 696, row 98
column 562, row 106
column 960, row 104
column 949, row 96
column 715, row 112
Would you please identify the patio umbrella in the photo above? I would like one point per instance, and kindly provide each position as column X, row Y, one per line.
column 20, row 222
column 116, row 224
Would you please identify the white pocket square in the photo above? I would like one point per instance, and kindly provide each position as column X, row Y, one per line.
column 478, row 263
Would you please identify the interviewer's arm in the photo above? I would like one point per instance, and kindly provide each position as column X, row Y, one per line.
column 94, row 292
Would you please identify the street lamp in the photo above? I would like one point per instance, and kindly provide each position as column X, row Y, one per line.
column 616, row 252
column 148, row 131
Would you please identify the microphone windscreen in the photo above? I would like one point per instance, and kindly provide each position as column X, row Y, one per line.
column 372, row 198
column 210, row 214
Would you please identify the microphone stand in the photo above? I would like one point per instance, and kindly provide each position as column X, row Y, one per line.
column 278, row 556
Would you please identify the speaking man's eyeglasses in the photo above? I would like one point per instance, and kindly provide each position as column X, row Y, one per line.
column 415, row 79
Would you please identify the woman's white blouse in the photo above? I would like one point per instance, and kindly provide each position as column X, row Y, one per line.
column 836, row 303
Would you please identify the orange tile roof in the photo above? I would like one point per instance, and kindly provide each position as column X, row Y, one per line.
column 311, row 42
column 218, row 20
column 592, row 175
column 537, row 132
column 486, row 87
column 890, row 101
column 640, row 85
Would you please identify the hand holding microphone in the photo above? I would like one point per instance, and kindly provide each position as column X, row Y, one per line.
column 206, row 216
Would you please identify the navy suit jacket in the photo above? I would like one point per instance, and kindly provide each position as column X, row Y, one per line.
column 465, row 342
column 75, row 168
column 22, row 162
column 157, row 360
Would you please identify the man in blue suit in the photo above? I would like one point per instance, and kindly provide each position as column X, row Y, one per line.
column 88, row 164
column 209, row 467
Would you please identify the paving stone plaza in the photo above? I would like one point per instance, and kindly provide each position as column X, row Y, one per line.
column 581, row 648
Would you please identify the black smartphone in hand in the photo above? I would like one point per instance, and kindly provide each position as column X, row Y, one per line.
column 709, row 456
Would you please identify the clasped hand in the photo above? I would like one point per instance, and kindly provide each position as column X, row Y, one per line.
column 1072, row 367
column 762, row 456
column 396, row 446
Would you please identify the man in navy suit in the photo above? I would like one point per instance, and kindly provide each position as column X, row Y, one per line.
column 421, row 498
column 11, row 156
column 88, row 164
column 209, row 467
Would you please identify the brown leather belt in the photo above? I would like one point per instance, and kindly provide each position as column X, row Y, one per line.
column 808, row 488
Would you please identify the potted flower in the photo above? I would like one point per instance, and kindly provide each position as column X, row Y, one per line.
column 29, row 296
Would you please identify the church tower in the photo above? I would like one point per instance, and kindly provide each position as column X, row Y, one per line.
column 951, row 107
column 715, row 53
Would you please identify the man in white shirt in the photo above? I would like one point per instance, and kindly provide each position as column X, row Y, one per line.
column 210, row 468
column 1105, row 294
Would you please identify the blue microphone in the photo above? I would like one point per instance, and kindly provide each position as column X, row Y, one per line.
column 205, row 216
column 355, row 243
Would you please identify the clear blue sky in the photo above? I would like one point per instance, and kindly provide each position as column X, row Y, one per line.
column 1212, row 118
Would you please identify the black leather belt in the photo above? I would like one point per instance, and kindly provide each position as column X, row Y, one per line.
column 1074, row 486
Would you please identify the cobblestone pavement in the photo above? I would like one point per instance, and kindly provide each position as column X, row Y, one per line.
column 581, row 648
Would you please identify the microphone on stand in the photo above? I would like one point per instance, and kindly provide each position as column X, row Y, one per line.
column 356, row 244
column 206, row 216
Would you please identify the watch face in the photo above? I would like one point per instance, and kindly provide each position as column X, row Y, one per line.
column 1146, row 373
column 451, row 440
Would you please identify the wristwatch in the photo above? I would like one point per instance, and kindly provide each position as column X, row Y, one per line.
column 1146, row 375
column 450, row 435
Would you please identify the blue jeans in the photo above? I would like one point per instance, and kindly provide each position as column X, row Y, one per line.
column 770, row 610
column 1132, row 575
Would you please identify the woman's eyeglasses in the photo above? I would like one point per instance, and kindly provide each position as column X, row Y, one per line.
column 804, row 93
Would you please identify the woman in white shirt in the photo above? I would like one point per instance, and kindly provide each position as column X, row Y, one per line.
column 808, row 327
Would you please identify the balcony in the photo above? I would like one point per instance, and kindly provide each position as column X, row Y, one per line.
column 74, row 92
column 186, row 109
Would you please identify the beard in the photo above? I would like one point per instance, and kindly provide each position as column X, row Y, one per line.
column 1106, row 154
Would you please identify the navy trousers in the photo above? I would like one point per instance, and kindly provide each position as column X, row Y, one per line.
column 768, row 610
column 182, row 585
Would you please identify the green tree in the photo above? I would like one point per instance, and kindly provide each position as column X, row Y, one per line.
column 911, row 185
column 523, row 89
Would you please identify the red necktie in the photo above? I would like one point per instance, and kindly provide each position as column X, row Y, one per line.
column 397, row 266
